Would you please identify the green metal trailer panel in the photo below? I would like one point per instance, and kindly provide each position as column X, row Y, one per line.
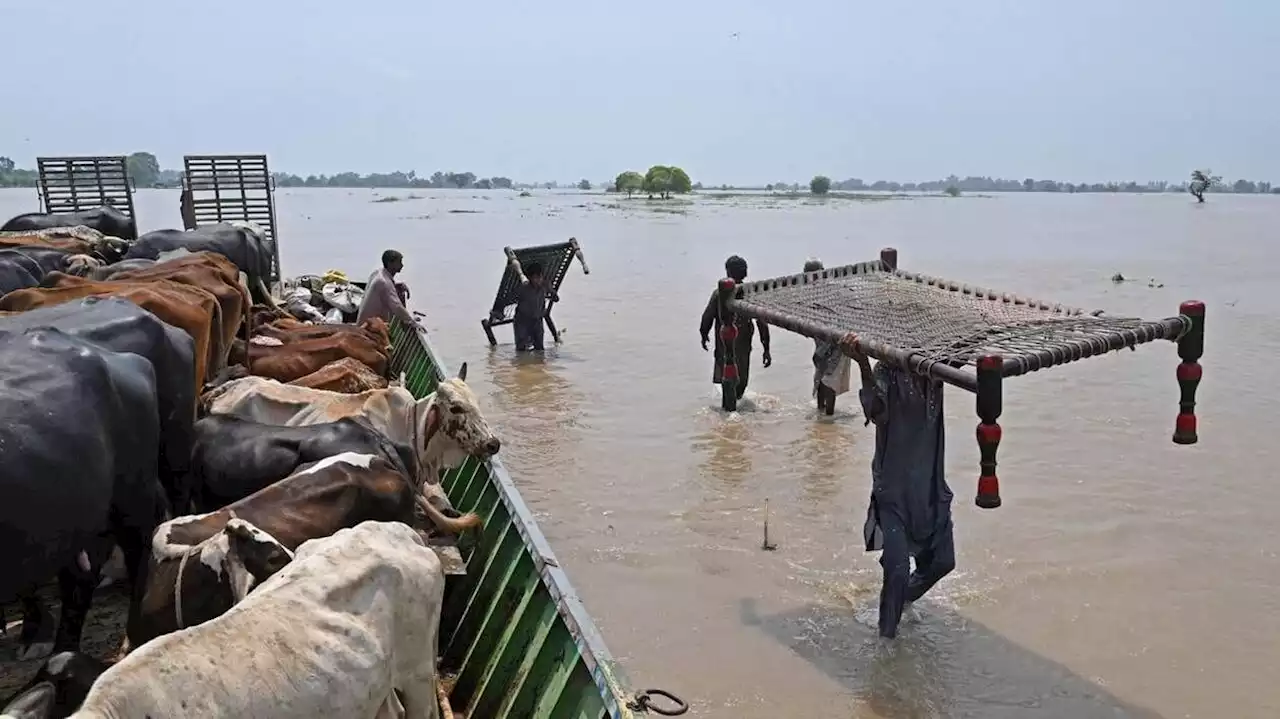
column 513, row 631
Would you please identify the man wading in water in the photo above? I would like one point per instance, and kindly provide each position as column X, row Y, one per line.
column 531, row 307
column 910, row 511
column 736, row 268
column 830, row 366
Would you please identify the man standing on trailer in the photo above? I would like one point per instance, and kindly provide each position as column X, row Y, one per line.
column 910, row 511
column 383, row 298
column 736, row 268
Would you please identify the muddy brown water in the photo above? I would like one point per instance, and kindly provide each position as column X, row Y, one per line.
column 1124, row 576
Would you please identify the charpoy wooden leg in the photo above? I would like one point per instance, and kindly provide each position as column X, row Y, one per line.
column 990, row 403
column 1190, row 349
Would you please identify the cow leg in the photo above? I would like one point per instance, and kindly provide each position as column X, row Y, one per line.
column 420, row 701
column 36, row 637
column 77, row 596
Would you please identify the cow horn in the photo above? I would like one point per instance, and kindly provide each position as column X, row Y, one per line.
column 462, row 372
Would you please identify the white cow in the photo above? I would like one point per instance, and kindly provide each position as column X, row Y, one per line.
column 444, row 428
column 352, row 618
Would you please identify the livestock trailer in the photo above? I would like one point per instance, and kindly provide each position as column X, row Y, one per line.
column 71, row 184
column 513, row 632
column 220, row 188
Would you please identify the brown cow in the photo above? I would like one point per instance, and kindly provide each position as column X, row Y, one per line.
column 288, row 332
column 188, row 308
column 270, row 358
column 346, row 375
column 210, row 272
column 185, row 584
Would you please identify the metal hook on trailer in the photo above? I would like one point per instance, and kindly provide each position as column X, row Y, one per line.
column 643, row 702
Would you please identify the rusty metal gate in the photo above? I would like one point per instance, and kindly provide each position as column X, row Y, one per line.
column 71, row 184
column 219, row 188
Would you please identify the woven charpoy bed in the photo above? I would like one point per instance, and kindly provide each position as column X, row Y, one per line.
column 966, row 336
column 555, row 260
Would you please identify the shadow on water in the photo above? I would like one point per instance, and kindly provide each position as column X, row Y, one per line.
column 942, row 666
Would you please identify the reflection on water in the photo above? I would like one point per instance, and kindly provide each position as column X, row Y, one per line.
column 726, row 460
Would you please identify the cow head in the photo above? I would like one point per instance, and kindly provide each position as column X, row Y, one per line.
column 377, row 328
column 452, row 428
column 110, row 249
column 82, row 265
column 249, row 556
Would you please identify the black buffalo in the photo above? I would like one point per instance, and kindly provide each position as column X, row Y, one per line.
column 18, row 272
column 79, row 432
column 234, row 457
column 117, row 324
column 106, row 219
column 20, row 265
column 244, row 243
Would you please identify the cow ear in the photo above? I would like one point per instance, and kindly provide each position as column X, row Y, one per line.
column 462, row 372
column 34, row 703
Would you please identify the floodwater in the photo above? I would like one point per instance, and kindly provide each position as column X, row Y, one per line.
column 1124, row 575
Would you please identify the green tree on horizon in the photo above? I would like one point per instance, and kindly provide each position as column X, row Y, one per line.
column 584, row 184
column 820, row 185
column 663, row 180
column 143, row 168
column 629, row 182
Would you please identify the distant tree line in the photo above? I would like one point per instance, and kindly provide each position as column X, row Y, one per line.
column 988, row 184
column 665, row 180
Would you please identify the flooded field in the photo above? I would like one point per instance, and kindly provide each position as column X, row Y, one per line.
column 1124, row 576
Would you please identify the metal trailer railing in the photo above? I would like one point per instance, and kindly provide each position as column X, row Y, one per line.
column 219, row 188
column 513, row 631
column 71, row 184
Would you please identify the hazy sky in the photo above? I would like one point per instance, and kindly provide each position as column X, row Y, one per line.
column 561, row 89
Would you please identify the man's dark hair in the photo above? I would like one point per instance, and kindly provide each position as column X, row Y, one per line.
column 389, row 257
column 533, row 269
column 736, row 267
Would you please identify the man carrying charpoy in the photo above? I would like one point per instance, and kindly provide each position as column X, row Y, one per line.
column 531, row 306
column 831, row 368
column 736, row 268
column 910, row 511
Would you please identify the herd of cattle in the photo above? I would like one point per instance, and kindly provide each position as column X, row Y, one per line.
column 157, row 405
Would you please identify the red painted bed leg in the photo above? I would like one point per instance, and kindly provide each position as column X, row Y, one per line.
column 989, row 404
column 1190, row 349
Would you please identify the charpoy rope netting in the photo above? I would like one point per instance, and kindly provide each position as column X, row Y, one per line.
column 943, row 321
column 969, row 337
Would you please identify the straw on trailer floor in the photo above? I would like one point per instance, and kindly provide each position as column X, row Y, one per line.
column 943, row 321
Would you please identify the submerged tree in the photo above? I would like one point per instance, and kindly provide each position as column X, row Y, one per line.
column 820, row 185
column 1201, row 181
column 628, row 182
column 584, row 185
column 662, row 180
